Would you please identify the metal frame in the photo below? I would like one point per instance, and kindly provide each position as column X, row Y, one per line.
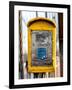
column 44, row 27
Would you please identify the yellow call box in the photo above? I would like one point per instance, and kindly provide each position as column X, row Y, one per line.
column 41, row 45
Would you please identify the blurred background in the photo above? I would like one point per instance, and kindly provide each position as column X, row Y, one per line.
column 24, row 17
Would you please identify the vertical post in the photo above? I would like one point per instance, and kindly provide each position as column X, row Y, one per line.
column 57, row 71
column 46, row 14
column 36, row 14
column 20, row 47
column 60, row 16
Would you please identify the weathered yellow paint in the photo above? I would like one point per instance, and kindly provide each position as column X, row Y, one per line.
column 42, row 24
column 42, row 20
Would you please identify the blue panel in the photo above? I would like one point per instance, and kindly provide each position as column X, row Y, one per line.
column 41, row 53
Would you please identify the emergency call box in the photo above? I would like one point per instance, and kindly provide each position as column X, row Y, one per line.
column 41, row 45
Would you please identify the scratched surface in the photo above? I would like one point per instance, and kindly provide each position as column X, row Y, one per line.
column 41, row 48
